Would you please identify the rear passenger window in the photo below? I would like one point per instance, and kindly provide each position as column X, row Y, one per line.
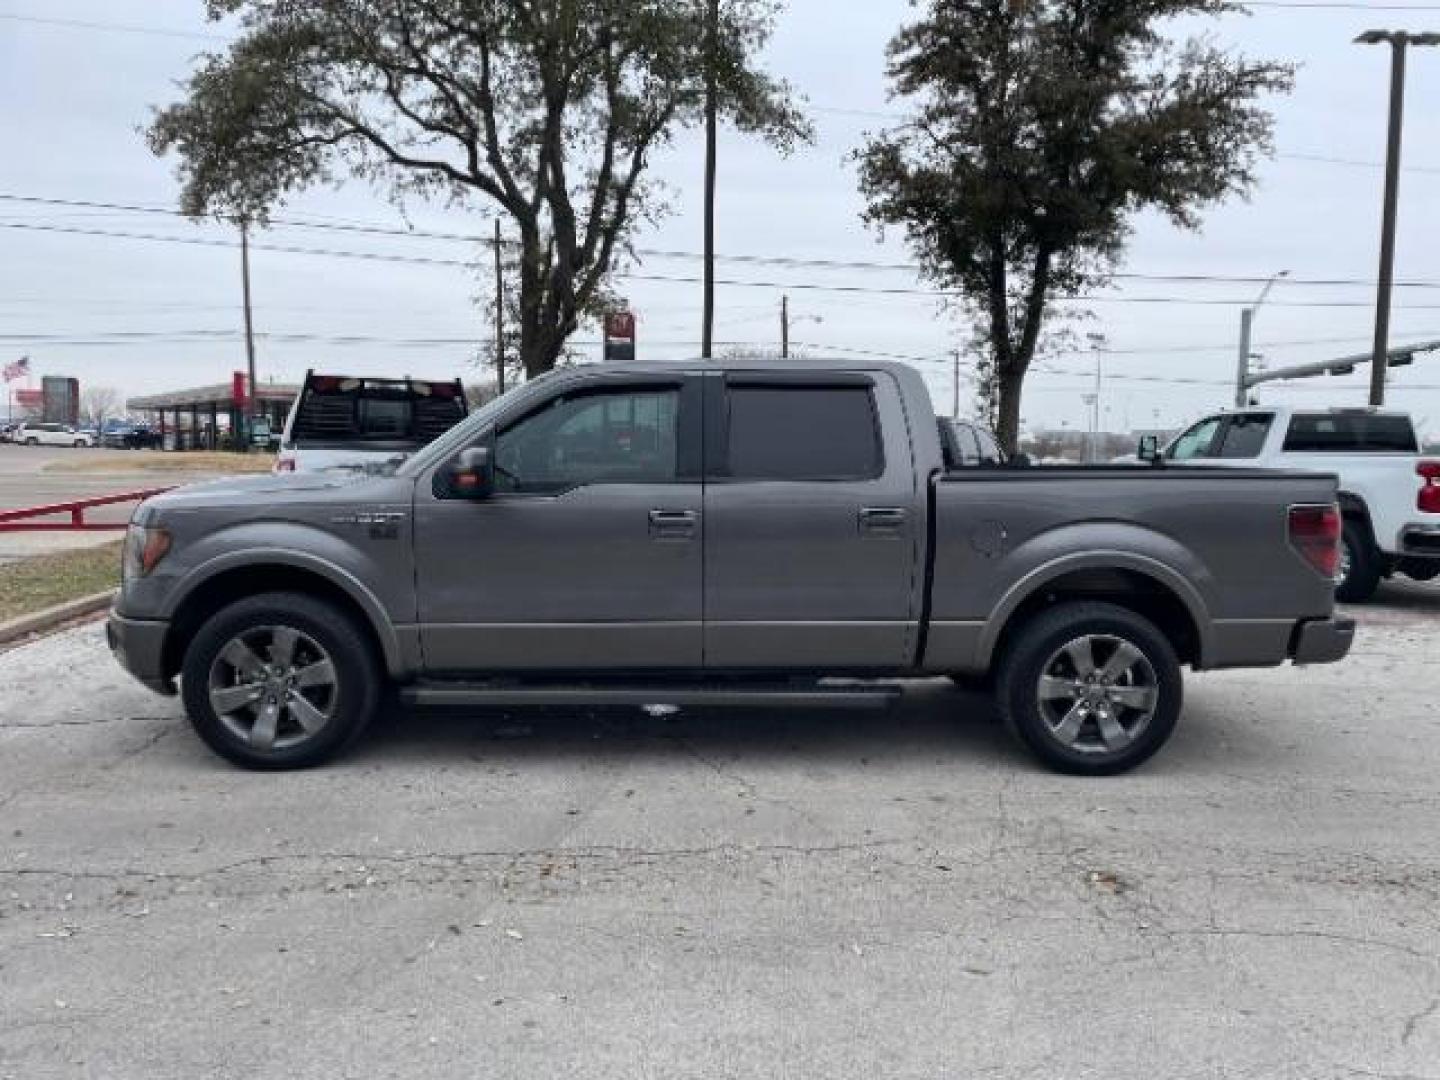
column 1351, row 433
column 802, row 432
column 1245, row 435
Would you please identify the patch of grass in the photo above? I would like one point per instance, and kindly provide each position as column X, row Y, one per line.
column 42, row 581
column 142, row 461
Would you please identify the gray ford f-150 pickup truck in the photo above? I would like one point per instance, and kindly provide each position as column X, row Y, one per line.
column 720, row 533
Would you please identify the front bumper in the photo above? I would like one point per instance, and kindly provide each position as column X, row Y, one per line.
column 1322, row 641
column 139, row 646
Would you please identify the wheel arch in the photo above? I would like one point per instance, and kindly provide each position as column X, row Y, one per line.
column 228, row 581
column 1140, row 584
column 1353, row 507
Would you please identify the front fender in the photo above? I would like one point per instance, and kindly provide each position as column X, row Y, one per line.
column 311, row 550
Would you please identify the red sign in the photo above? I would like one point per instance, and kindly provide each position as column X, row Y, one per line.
column 237, row 389
column 620, row 325
column 30, row 399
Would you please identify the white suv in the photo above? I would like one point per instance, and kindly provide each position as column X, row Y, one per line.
column 52, row 435
column 1389, row 493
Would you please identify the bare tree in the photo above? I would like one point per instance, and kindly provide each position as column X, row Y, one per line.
column 99, row 403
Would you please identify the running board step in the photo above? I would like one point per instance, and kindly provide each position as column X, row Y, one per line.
column 824, row 697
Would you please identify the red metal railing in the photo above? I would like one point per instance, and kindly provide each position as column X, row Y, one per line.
column 18, row 520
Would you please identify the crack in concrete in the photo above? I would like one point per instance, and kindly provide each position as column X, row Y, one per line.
column 1291, row 935
column 515, row 858
column 92, row 722
column 1412, row 1022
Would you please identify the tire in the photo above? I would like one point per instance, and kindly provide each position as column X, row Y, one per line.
column 1360, row 564
column 1090, row 728
column 227, row 657
column 32, row 441
column 79, row 444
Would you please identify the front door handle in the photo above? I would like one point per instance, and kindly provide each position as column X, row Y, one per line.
column 885, row 519
column 673, row 524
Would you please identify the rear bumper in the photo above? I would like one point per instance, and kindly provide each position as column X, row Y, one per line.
column 139, row 646
column 1420, row 542
column 1322, row 641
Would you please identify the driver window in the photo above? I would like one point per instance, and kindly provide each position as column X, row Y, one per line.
column 621, row 436
column 1195, row 443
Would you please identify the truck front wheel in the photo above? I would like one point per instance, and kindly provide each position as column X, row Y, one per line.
column 1090, row 688
column 279, row 681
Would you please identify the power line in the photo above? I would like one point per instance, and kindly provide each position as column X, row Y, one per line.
column 109, row 27
column 776, row 261
column 679, row 279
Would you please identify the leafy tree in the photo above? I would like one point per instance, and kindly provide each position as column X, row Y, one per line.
column 1040, row 128
column 549, row 109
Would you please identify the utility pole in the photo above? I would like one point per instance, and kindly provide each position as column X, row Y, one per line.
column 1397, row 40
column 499, row 315
column 1095, row 425
column 1242, row 367
column 252, row 395
column 712, row 34
column 784, row 327
column 955, row 405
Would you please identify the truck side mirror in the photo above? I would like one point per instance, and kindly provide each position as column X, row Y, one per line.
column 1149, row 450
column 473, row 474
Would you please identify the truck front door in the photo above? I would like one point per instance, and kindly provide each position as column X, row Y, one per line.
column 814, row 522
column 587, row 556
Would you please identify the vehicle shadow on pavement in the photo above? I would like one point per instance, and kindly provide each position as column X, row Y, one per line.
column 1397, row 600
column 933, row 719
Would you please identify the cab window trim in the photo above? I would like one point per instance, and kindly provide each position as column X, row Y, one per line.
column 688, row 435
column 717, row 422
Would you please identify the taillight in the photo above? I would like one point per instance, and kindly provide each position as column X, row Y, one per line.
column 1315, row 534
column 1427, row 499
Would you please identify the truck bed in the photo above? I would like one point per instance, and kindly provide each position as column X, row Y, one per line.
column 1183, row 538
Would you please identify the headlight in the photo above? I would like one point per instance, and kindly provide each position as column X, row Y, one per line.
column 144, row 548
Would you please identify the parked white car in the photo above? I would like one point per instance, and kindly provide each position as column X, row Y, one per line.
column 52, row 435
column 1389, row 492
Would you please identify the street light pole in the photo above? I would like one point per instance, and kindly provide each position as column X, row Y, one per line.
column 1247, row 323
column 1398, row 40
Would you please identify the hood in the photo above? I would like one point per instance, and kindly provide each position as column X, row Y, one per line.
column 240, row 491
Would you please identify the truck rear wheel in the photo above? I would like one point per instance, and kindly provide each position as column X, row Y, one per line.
column 1359, row 574
column 279, row 681
column 1090, row 688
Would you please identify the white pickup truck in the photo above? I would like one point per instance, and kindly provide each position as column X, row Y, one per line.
column 1389, row 493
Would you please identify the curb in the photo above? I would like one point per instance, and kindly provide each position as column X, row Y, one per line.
column 53, row 618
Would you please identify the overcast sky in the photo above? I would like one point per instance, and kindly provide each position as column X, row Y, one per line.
column 145, row 316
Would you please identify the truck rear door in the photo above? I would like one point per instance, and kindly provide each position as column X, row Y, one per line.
column 814, row 522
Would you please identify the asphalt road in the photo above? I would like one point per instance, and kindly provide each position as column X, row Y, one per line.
column 26, row 480
column 729, row 893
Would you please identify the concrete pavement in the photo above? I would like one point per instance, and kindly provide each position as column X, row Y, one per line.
column 729, row 893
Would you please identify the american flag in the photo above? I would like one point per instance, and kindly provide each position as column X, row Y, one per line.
column 18, row 370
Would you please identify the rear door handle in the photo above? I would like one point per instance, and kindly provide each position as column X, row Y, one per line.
column 882, row 518
column 673, row 524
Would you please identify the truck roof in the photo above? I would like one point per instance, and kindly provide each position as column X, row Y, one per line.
column 757, row 364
